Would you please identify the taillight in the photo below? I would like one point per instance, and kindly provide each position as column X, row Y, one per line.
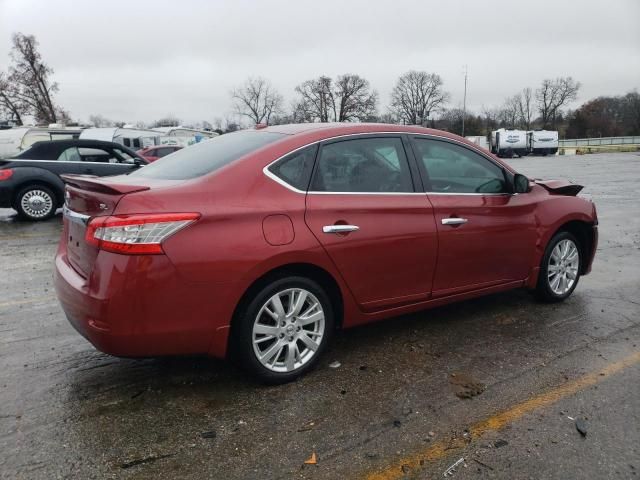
column 5, row 174
column 136, row 234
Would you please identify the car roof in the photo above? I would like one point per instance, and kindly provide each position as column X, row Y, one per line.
column 336, row 128
column 53, row 147
column 76, row 143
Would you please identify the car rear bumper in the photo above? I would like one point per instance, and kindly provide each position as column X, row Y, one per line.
column 137, row 306
column 6, row 194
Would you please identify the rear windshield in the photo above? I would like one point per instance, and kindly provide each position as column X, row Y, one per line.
column 207, row 156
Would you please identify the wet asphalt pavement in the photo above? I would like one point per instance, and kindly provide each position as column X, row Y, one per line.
column 389, row 411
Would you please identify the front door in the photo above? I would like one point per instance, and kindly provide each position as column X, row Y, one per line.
column 378, row 230
column 486, row 234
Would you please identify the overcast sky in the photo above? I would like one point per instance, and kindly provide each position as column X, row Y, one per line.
column 140, row 60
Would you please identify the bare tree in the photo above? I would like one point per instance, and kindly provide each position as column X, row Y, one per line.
column 354, row 99
column 10, row 105
column 347, row 99
column 317, row 102
column 169, row 120
column 554, row 94
column 30, row 77
column 509, row 113
column 416, row 95
column 99, row 121
column 257, row 100
column 525, row 108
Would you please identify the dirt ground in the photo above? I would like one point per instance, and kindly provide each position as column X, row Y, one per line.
column 498, row 382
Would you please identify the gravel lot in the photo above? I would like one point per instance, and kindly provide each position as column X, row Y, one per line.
column 68, row 411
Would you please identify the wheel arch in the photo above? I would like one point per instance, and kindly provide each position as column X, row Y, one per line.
column 301, row 269
column 583, row 231
column 52, row 182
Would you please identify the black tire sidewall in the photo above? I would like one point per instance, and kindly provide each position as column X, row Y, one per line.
column 23, row 214
column 543, row 288
column 246, row 316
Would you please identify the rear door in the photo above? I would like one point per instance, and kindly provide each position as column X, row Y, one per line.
column 486, row 234
column 364, row 208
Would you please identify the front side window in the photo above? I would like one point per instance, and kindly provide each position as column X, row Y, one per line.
column 375, row 165
column 452, row 168
column 125, row 157
column 206, row 157
column 295, row 169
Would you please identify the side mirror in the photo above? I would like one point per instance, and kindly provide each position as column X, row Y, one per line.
column 520, row 183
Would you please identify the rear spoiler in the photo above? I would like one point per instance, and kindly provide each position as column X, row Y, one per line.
column 101, row 184
column 560, row 187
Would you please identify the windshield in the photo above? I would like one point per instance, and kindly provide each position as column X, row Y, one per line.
column 207, row 156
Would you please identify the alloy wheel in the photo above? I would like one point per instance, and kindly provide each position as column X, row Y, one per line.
column 562, row 270
column 288, row 330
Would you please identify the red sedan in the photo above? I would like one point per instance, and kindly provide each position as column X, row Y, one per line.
column 265, row 241
column 151, row 154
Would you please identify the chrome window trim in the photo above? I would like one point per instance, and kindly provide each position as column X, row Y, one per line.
column 277, row 179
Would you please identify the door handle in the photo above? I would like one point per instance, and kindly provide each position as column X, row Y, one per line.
column 340, row 228
column 454, row 221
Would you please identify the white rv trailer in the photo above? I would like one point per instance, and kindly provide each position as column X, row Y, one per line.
column 183, row 135
column 134, row 138
column 543, row 142
column 479, row 140
column 507, row 142
column 15, row 140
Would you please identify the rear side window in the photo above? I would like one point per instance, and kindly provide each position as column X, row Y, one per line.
column 207, row 156
column 375, row 165
column 70, row 155
column 97, row 155
column 295, row 169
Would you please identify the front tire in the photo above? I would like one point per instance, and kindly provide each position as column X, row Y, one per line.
column 560, row 268
column 284, row 329
column 36, row 203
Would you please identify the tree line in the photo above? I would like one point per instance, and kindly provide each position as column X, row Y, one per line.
column 417, row 98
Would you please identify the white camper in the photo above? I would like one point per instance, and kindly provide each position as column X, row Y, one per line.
column 15, row 140
column 135, row 138
column 543, row 142
column 183, row 135
column 479, row 140
column 507, row 142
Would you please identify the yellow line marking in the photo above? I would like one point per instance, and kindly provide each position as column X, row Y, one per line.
column 498, row 421
column 12, row 303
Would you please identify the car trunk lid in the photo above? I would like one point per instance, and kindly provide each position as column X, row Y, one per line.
column 87, row 197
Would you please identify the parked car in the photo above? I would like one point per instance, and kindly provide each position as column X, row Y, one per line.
column 151, row 154
column 262, row 242
column 30, row 182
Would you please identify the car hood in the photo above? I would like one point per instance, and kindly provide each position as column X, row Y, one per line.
column 560, row 187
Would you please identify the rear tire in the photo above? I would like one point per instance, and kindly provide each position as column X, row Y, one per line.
column 560, row 268
column 283, row 330
column 36, row 203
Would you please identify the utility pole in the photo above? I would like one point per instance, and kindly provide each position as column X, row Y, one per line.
column 464, row 101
